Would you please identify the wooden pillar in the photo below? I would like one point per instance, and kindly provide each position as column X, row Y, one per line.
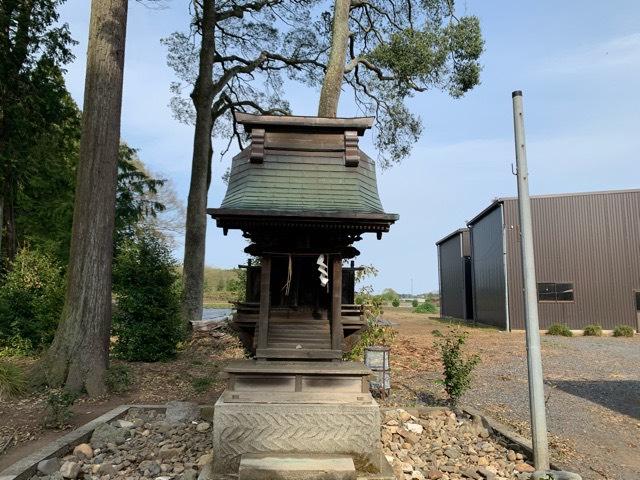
column 265, row 302
column 336, row 303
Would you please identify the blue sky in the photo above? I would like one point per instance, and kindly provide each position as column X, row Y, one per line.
column 577, row 62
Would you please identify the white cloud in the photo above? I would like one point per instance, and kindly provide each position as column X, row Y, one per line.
column 615, row 53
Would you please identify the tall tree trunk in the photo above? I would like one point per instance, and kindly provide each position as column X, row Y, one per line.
column 79, row 354
column 332, row 84
column 8, row 225
column 196, row 226
column 2, row 258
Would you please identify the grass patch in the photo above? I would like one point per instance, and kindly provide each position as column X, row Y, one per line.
column 12, row 380
column 592, row 331
column 119, row 378
column 561, row 330
column 623, row 331
column 201, row 384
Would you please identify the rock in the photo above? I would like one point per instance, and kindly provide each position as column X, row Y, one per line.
column 511, row 456
column 205, row 459
column 124, row 424
column 415, row 428
column 149, row 468
column 409, row 436
column 407, row 467
column 452, row 453
column 471, row 473
column 189, row 474
column 435, row 474
column 106, row 469
column 83, row 450
column 203, row 427
column 105, row 434
column 170, row 452
column 404, row 415
column 207, row 472
column 70, row 469
column 166, row 477
column 487, row 447
column 417, row 475
column 181, row 412
column 524, row 468
column 49, row 466
column 483, row 461
column 487, row 474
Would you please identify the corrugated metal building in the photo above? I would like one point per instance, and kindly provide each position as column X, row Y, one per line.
column 587, row 252
column 454, row 269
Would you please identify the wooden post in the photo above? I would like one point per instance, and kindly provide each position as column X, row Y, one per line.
column 336, row 304
column 265, row 302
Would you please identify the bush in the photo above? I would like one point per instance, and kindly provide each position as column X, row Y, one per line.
column 118, row 378
column 58, row 410
column 414, row 303
column 457, row 367
column 426, row 307
column 12, row 380
column 559, row 329
column 623, row 331
column 147, row 321
column 592, row 331
column 395, row 302
column 31, row 301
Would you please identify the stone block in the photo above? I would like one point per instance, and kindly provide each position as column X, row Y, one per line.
column 256, row 428
column 296, row 467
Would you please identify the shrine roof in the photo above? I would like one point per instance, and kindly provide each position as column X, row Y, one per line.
column 303, row 166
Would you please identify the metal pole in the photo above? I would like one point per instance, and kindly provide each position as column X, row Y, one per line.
column 534, row 357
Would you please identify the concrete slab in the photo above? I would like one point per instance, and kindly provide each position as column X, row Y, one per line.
column 296, row 467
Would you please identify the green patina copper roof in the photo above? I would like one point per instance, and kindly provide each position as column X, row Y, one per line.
column 301, row 165
column 291, row 183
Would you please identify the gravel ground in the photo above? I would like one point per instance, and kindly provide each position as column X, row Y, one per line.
column 592, row 388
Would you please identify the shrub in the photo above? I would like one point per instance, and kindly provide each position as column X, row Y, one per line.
column 147, row 322
column 395, row 302
column 559, row 329
column 201, row 384
column 119, row 378
column 414, row 303
column 623, row 331
column 374, row 334
column 592, row 331
column 426, row 307
column 12, row 380
column 457, row 367
column 58, row 410
column 31, row 300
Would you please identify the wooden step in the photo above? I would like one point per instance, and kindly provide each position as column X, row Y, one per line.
column 298, row 353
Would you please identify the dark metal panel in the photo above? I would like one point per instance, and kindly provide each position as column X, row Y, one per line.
column 488, row 269
column 452, row 280
column 590, row 240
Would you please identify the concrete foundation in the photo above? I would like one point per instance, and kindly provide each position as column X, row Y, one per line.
column 260, row 428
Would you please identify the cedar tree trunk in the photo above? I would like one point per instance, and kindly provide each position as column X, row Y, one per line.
column 332, row 84
column 196, row 225
column 79, row 354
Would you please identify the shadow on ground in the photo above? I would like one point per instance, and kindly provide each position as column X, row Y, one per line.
column 623, row 396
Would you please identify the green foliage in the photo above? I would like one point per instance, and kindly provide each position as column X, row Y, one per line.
column 623, row 331
column 559, row 329
column 414, row 303
column 201, row 384
column 426, row 307
column 58, row 411
column 31, row 300
column 395, row 302
column 119, row 378
column 224, row 285
column 12, row 380
column 458, row 367
column 146, row 283
column 592, row 331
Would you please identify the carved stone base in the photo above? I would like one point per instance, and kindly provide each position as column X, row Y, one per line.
column 241, row 428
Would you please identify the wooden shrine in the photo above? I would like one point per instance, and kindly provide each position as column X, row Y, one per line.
column 302, row 193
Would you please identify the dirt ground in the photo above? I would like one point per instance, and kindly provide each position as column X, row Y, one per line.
column 592, row 388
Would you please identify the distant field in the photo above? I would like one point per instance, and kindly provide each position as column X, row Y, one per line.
column 218, row 286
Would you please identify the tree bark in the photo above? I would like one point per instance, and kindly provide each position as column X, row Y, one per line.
column 79, row 355
column 196, row 226
column 332, row 84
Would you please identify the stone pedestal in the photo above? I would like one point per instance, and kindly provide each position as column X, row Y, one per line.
column 296, row 408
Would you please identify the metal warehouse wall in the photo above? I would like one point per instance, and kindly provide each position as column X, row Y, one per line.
column 451, row 262
column 590, row 240
column 488, row 270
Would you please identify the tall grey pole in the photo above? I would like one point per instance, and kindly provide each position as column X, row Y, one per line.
column 534, row 357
